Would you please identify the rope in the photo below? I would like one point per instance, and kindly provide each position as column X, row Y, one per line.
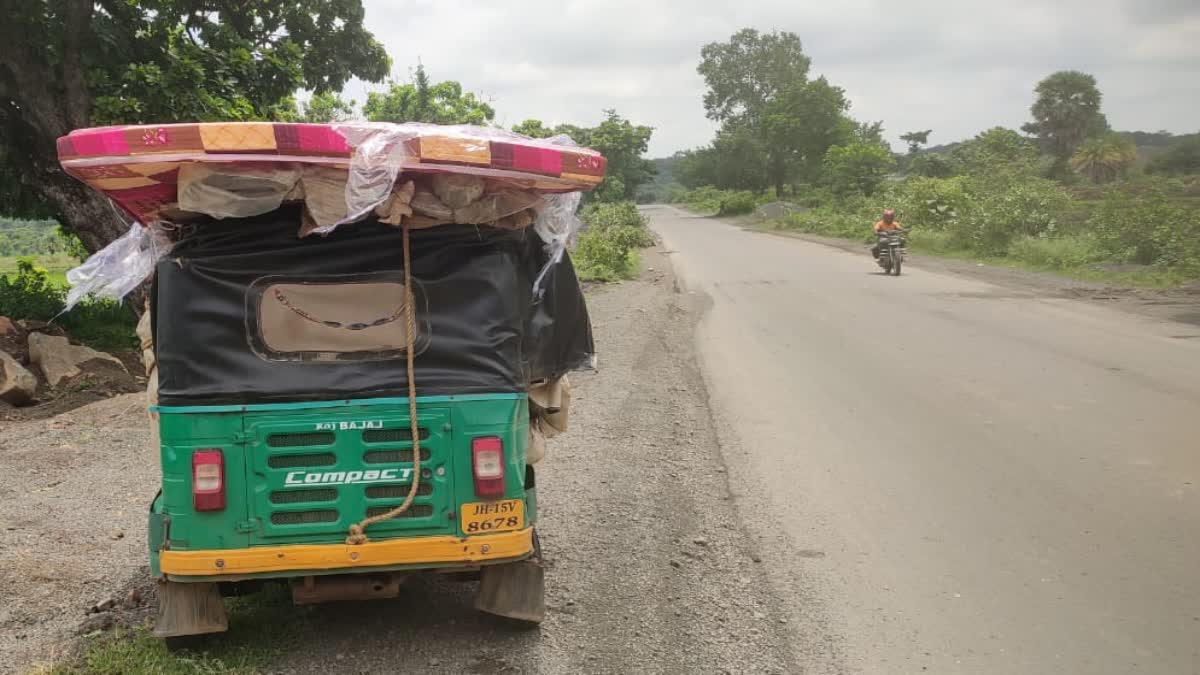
column 357, row 532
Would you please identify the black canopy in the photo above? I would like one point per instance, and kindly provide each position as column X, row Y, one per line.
column 227, row 285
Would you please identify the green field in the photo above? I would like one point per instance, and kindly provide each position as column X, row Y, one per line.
column 56, row 266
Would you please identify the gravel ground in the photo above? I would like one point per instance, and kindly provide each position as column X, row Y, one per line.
column 72, row 521
column 648, row 569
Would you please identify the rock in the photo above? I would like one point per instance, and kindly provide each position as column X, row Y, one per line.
column 96, row 622
column 58, row 359
column 18, row 386
column 700, row 541
column 6, row 326
column 117, row 535
column 134, row 599
column 103, row 606
column 456, row 190
column 676, row 564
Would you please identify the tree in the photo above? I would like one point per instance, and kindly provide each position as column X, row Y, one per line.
column 758, row 82
column 995, row 150
column 1105, row 158
column 327, row 107
column 533, row 129
column 420, row 101
column 1182, row 158
column 734, row 161
column 857, row 167
column 916, row 139
column 622, row 143
column 798, row 128
column 1065, row 113
column 68, row 64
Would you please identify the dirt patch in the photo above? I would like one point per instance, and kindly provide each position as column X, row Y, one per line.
column 98, row 380
column 72, row 522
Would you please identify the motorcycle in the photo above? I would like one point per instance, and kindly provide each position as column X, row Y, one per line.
column 891, row 251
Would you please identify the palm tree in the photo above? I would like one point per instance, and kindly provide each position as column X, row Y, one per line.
column 1104, row 158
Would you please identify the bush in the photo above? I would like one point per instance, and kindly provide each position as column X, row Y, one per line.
column 103, row 324
column 738, row 203
column 1001, row 209
column 29, row 294
column 605, row 255
column 1061, row 253
column 607, row 248
column 1148, row 229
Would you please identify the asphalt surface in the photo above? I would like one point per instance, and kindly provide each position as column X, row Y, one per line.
column 962, row 478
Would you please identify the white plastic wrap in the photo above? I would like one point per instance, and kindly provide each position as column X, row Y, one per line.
column 229, row 190
column 115, row 270
column 379, row 156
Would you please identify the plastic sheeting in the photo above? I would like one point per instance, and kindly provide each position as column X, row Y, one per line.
column 115, row 270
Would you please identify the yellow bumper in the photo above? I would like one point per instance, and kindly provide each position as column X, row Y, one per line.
column 312, row 557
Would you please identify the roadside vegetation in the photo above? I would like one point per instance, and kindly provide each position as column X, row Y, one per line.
column 1065, row 194
column 608, row 246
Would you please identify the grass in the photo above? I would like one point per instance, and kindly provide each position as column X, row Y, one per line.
column 56, row 266
column 261, row 626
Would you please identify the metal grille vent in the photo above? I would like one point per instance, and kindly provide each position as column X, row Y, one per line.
column 414, row 511
column 304, row 517
column 392, row 435
column 396, row 491
column 393, row 456
column 298, row 496
column 293, row 461
column 300, row 440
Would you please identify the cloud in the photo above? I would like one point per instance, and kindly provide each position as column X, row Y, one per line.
column 955, row 67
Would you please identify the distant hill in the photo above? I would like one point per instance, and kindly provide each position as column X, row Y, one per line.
column 1149, row 144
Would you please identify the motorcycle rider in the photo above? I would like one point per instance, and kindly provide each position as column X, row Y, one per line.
column 887, row 224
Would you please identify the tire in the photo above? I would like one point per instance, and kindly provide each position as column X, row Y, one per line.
column 896, row 266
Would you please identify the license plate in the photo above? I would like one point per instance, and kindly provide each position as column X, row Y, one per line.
column 491, row 517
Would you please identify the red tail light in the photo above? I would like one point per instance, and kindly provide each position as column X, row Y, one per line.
column 487, row 457
column 208, row 480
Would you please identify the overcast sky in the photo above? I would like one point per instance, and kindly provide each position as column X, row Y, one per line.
column 954, row 66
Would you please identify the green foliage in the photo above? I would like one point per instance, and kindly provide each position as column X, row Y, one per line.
column 1001, row 209
column 776, row 124
column 36, row 238
column 326, row 107
column 745, row 74
column 421, row 101
column 738, row 203
column 607, row 248
column 1150, row 229
column 932, row 204
column 30, row 294
column 1065, row 113
column 1182, row 158
column 859, row 167
column 931, row 165
column 533, row 129
column 916, row 139
column 1105, row 158
column 997, row 150
column 1056, row 253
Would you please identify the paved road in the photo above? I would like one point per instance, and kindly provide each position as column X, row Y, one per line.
column 964, row 478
